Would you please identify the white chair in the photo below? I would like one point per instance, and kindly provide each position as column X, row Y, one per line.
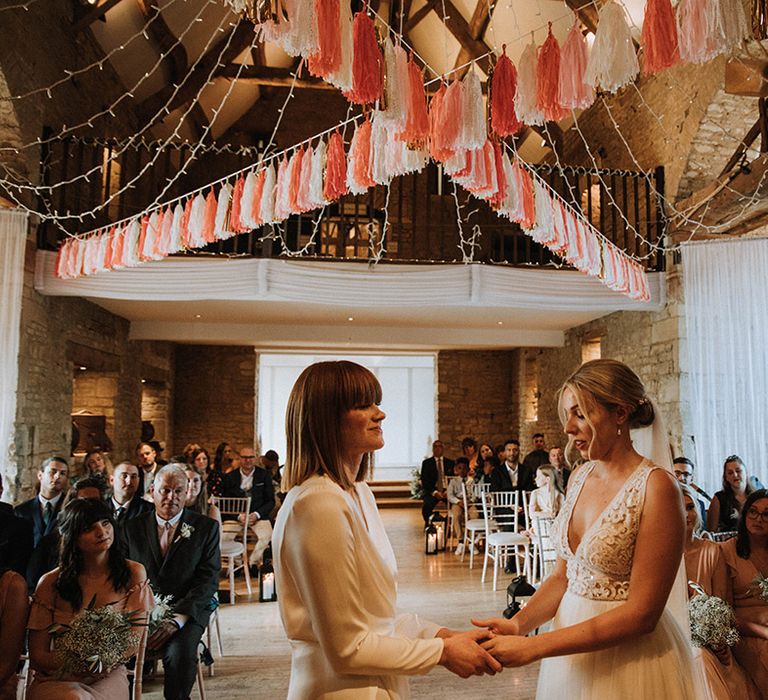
column 502, row 508
column 213, row 625
column 544, row 552
column 449, row 514
column 234, row 554
column 473, row 527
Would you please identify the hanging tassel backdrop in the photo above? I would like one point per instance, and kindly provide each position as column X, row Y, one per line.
column 504, row 121
column 575, row 92
column 613, row 62
column 659, row 37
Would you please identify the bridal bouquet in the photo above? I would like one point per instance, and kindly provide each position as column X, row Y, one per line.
column 760, row 584
column 96, row 640
column 160, row 613
column 713, row 623
column 417, row 490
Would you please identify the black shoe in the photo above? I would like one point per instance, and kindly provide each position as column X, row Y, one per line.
column 254, row 570
column 510, row 568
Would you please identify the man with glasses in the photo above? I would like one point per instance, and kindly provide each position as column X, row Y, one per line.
column 252, row 479
column 684, row 474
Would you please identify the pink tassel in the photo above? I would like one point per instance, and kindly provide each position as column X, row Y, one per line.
column 416, row 129
column 699, row 30
column 504, row 121
column 295, row 184
column 327, row 59
column 335, row 184
column 302, row 198
column 437, row 146
column 235, row 222
column 109, row 253
column 575, row 93
column 367, row 67
column 142, row 237
column 548, row 79
column 258, row 193
column 526, row 193
column 209, row 218
column 659, row 37
column 451, row 116
column 497, row 199
column 186, row 238
column 118, row 248
column 361, row 159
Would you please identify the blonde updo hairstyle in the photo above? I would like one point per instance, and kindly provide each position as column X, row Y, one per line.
column 610, row 384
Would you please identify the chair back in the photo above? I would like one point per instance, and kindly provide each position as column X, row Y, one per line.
column 137, row 670
column 501, row 508
column 547, row 552
column 234, row 506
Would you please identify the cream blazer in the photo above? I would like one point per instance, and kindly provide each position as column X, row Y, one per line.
column 336, row 586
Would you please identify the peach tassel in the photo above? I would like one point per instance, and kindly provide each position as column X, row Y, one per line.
column 367, row 66
column 258, row 193
column 235, row 222
column 209, row 218
column 294, row 186
column 335, row 184
column 416, row 130
column 548, row 79
column 504, row 121
column 574, row 91
column 327, row 59
column 659, row 37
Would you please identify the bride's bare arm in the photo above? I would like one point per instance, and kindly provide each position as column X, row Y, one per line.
column 657, row 556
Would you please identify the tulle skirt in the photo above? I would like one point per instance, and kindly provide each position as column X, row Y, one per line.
column 655, row 666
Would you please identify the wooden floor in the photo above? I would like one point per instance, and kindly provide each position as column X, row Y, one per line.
column 257, row 654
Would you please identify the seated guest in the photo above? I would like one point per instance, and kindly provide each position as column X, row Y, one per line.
column 180, row 550
column 547, row 498
column 14, row 607
column 94, row 572
column 704, row 566
column 684, row 474
column 93, row 487
column 270, row 460
column 96, row 463
column 485, row 451
column 16, row 539
column 489, row 464
column 511, row 475
column 501, row 452
column 197, row 494
column 126, row 501
column 746, row 556
column 434, row 483
column 455, row 497
column 43, row 509
column 251, row 479
column 469, row 450
column 538, row 455
column 146, row 456
column 557, row 460
column 724, row 511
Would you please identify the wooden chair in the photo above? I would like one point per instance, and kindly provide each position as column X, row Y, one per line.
column 501, row 508
column 234, row 553
column 449, row 514
column 473, row 527
column 137, row 675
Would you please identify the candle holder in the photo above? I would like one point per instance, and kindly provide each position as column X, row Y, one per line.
column 267, row 588
column 430, row 539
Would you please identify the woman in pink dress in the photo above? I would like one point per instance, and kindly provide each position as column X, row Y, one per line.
column 14, row 607
column 92, row 569
column 746, row 557
column 704, row 566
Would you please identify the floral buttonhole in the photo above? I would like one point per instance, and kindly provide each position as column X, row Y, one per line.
column 186, row 531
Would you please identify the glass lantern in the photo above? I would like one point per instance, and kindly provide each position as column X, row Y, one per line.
column 267, row 588
column 519, row 593
column 440, row 524
column 430, row 539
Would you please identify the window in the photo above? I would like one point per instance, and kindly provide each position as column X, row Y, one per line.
column 591, row 349
column 531, row 390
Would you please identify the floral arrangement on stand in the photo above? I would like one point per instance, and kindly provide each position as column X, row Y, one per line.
column 417, row 490
column 713, row 623
column 96, row 640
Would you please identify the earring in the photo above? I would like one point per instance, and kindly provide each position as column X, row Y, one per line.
column 619, row 431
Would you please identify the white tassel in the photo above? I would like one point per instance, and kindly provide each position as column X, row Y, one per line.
column 148, row 250
column 246, row 202
column 301, row 39
column 542, row 229
column 699, row 33
column 131, row 244
column 222, row 209
column 342, row 78
column 281, row 211
column 512, row 206
column 101, row 252
column 268, row 195
column 316, row 199
column 304, row 198
column 197, row 222
column 733, row 23
column 473, row 127
column 593, row 250
column 525, row 98
column 396, row 86
column 88, row 256
column 613, row 61
column 379, row 138
column 176, row 244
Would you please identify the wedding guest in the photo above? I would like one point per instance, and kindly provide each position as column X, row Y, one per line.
column 547, row 498
column 684, row 474
column 538, row 455
column 146, row 456
column 455, row 497
column 619, row 543
column 334, row 565
column 434, row 482
column 469, row 450
column 726, row 506
column 14, row 608
column 746, row 557
column 43, row 509
column 180, row 550
column 511, row 475
column 126, row 501
column 557, row 460
column 485, row 451
column 88, row 487
column 92, row 572
column 96, row 463
column 197, row 494
column 489, row 465
column 705, row 566
column 223, row 458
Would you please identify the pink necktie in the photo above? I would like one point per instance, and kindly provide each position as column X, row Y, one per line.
column 165, row 539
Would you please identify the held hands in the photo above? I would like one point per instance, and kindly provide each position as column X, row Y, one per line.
column 498, row 625
column 506, row 645
column 463, row 655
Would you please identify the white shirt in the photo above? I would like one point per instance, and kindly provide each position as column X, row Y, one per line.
column 246, row 482
column 180, row 619
column 512, row 473
column 44, row 501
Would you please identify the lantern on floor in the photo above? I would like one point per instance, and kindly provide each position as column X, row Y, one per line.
column 430, row 539
column 440, row 526
column 267, row 589
column 519, row 593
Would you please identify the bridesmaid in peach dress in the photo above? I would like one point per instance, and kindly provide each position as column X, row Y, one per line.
column 704, row 566
column 14, row 607
column 747, row 556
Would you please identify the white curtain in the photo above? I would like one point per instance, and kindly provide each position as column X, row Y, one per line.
column 726, row 313
column 13, row 237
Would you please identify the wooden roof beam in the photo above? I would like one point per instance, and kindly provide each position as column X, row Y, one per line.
column 478, row 25
column 460, row 29
column 269, row 75
column 91, row 14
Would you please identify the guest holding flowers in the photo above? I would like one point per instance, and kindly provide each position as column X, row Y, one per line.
column 14, row 607
column 746, row 557
column 92, row 574
column 726, row 505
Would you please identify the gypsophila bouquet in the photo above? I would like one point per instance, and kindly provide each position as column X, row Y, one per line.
column 713, row 623
column 160, row 613
column 96, row 640
column 760, row 586
column 417, row 490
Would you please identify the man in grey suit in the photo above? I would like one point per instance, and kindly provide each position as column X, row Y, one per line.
column 180, row 551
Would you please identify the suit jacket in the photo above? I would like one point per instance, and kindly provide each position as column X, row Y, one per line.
column 429, row 473
column 16, row 542
column 336, row 578
column 501, row 481
column 190, row 570
column 136, row 506
column 262, row 492
column 30, row 510
column 563, row 478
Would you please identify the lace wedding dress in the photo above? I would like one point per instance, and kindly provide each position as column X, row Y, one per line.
column 651, row 667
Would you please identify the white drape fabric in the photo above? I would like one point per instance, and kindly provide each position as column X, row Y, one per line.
column 726, row 314
column 13, row 237
column 355, row 284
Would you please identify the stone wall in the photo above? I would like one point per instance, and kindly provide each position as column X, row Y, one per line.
column 477, row 395
column 214, row 396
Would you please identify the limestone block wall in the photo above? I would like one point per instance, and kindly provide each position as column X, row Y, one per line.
column 214, row 396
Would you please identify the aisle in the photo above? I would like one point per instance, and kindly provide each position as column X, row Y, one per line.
column 257, row 661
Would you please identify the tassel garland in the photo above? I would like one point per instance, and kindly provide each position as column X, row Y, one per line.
column 367, row 78
column 504, row 121
column 613, row 62
column 548, row 79
column 575, row 93
column 659, row 37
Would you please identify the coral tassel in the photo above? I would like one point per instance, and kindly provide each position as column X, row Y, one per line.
column 295, row 183
column 548, row 79
column 235, row 223
column 209, row 218
column 142, row 237
column 258, row 193
column 504, row 121
column 526, row 195
column 335, row 184
column 416, row 130
column 327, row 59
column 437, row 145
column 574, row 91
column 303, row 202
column 367, row 66
column 358, row 167
column 659, row 37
